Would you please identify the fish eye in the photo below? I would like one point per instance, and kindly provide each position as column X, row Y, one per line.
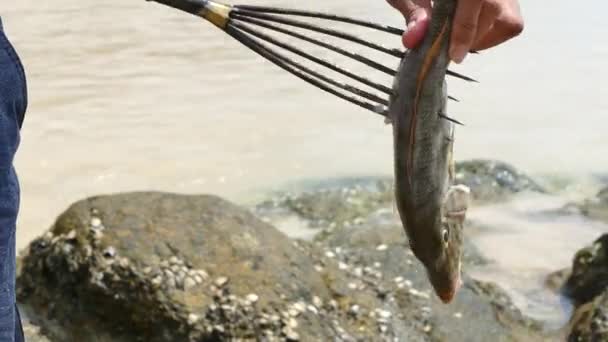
column 445, row 235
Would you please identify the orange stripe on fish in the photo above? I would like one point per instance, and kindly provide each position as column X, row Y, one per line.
column 426, row 65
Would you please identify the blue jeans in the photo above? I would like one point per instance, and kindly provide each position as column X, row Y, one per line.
column 13, row 103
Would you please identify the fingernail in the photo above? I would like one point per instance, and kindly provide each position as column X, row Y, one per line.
column 411, row 25
column 457, row 54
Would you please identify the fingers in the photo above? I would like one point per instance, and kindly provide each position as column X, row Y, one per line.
column 465, row 27
column 417, row 16
column 416, row 28
column 508, row 25
column 410, row 8
column 490, row 10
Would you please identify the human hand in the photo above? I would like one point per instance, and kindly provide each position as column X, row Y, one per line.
column 478, row 24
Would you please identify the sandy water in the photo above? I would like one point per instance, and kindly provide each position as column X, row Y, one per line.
column 129, row 95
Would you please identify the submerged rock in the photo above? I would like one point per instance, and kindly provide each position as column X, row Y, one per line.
column 493, row 180
column 348, row 204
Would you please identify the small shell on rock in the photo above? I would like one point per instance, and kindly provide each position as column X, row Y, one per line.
column 427, row 328
column 384, row 313
column 109, row 252
column 292, row 323
column 124, row 262
column 300, row 306
column 290, row 334
column 317, row 301
column 202, row 274
column 189, row 283
column 342, row 265
column 221, row 281
column 293, row 312
column 198, row 279
column 330, row 254
column 381, row 247
column 169, row 274
column 156, row 281
column 146, row 270
column 458, row 315
column 173, row 260
column 71, row 235
column 333, row 304
column 252, row 298
column 312, row 309
column 95, row 222
column 193, row 318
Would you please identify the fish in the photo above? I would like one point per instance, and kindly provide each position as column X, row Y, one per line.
column 431, row 207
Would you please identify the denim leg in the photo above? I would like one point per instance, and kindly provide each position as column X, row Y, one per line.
column 13, row 103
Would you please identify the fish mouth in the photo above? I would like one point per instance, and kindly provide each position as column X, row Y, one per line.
column 447, row 295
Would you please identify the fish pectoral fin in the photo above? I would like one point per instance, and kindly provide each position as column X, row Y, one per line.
column 456, row 202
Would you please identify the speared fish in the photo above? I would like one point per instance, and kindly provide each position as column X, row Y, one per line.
column 431, row 208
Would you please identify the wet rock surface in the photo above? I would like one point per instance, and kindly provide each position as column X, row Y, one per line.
column 589, row 272
column 489, row 180
column 493, row 180
column 152, row 266
column 586, row 284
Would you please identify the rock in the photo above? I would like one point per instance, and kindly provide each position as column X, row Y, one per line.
column 80, row 294
column 586, row 284
column 338, row 206
column 589, row 273
column 555, row 280
column 189, row 268
column 349, row 203
column 401, row 304
column 492, row 180
column 595, row 208
column 33, row 333
column 590, row 321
